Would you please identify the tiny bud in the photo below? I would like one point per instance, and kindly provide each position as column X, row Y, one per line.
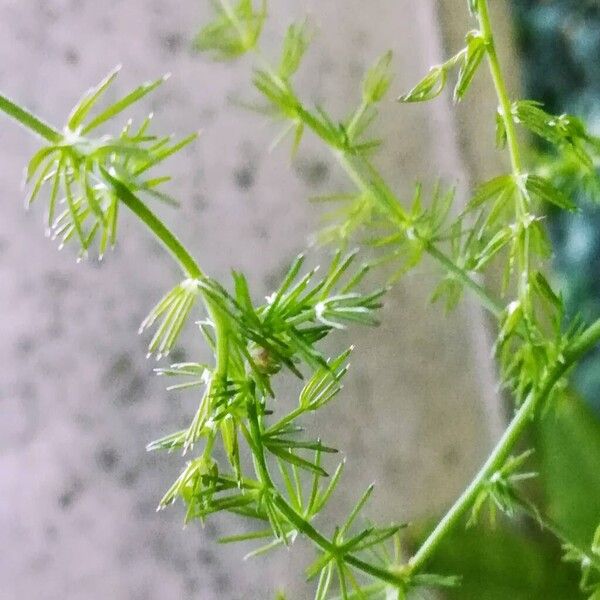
column 264, row 360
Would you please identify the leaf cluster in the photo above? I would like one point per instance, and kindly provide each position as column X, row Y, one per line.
column 233, row 31
column 565, row 133
column 467, row 61
column 74, row 168
column 500, row 491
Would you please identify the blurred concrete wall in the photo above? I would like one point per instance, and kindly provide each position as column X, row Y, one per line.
column 78, row 401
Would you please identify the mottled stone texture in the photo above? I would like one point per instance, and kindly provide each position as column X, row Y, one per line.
column 77, row 399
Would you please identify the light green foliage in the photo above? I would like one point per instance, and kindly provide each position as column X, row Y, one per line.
column 72, row 167
column 468, row 61
column 283, row 490
column 568, row 134
column 234, row 31
column 295, row 45
column 377, row 80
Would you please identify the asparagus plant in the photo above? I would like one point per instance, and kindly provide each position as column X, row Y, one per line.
column 86, row 177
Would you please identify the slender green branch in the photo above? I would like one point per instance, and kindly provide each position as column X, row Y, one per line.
column 511, row 135
column 527, row 410
column 29, row 120
column 187, row 263
column 500, row 87
column 499, row 454
column 158, row 228
column 262, row 470
column 299, row 522
column 303, row 526
column 489, row 303
column 369, row 180
column 322, row 542
column 504, row 447
column 359, row 171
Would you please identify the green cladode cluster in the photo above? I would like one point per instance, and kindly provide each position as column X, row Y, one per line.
column 560, row 43
column 281, row 491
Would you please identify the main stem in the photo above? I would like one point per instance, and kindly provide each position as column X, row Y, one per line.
column 177, row 250
column 504, row 447
column 527, row 410
column 500, row 87
column 512, row 142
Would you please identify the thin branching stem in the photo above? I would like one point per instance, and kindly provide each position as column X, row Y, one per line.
column 185, row 260
column 352, row 166
column 298, row 520
column 490, row 304
column 181, row 255
column 369, row 180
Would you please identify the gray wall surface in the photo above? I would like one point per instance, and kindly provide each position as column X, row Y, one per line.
column 78, row 401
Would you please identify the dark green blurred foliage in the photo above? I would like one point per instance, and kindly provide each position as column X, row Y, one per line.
column 568, row 448
column 560, row 50
column 560, row 46
column 502, row 564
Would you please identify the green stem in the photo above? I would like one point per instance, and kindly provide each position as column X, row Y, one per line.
column 29, row 120
column 186, row 262
column 511, row 136
column 369, row 180
column 500, row 86
column 166, row 237
column 262, row 470
column 504, row 447
column 466, row 499
column 304, row 527
column 527, row 411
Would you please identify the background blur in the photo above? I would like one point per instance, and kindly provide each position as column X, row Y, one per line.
column 78, row 401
